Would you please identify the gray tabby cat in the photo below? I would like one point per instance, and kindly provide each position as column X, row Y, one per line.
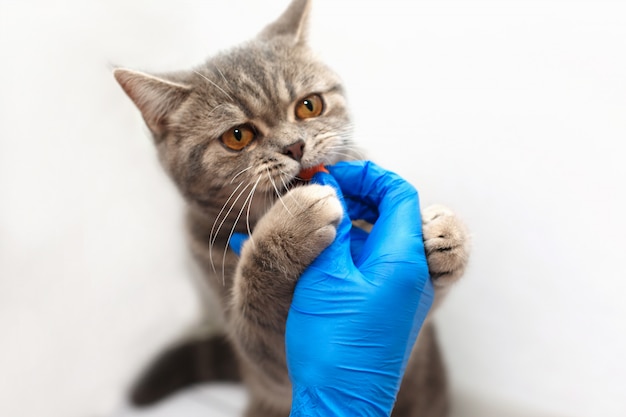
column 233, row 134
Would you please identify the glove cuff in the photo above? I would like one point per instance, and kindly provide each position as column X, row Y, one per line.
column 334, row 402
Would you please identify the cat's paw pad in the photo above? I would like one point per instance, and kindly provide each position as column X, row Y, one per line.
column 447, row 244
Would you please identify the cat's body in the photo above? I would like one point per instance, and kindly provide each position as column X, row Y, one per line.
column 233, row 134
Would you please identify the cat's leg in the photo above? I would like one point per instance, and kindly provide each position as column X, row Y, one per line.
column 284, row 242
column 423, row 392
column 447, row 245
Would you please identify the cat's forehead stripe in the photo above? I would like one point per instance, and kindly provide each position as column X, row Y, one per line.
column 266, row 86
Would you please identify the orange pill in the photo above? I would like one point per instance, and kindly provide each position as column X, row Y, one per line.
column 307, row 173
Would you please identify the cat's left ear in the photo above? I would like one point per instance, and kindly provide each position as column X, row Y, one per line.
column 156, row 98
column 292, row 23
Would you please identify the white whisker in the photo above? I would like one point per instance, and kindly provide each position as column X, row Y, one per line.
column 221, row 211
column 249, row 207
column 289, row 194
column 214, row 109
column 278, row 192
column 216, row 86
column 240, row 172
column 215, row 232
column 282, row 179
column 248, row 200
column 348, row 156
column 349, row 151
column 223, row 78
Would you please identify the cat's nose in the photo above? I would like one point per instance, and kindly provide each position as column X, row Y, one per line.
column 295, row 150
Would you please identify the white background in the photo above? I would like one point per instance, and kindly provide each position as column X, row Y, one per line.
column 513, row 113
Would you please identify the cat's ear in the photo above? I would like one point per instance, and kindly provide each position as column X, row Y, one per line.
column 155, row 97
column 293, row 23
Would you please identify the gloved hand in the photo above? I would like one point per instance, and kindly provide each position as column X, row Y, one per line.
column 357, row 310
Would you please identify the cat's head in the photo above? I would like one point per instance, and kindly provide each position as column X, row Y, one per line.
column 248, row 120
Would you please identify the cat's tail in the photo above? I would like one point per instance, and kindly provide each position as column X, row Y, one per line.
column 192, row 362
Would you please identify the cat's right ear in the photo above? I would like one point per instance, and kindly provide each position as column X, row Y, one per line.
column 292, row 23
column 155, row 97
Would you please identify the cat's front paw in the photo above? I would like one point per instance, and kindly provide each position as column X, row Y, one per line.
column 447, row 244
column 299, row 226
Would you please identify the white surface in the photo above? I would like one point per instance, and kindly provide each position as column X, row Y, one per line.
column 511, row 112
column 215, row 400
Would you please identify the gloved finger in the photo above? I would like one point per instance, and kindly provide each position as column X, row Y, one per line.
column 358, row 237
column 395, row 246
column 396, row 238
column 349, row 176
column 236, row 242
column 369, row 190
column 363, row 184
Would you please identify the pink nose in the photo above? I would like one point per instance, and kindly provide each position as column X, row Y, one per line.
column 295, row 150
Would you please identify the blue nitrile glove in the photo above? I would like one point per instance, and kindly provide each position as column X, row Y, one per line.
column 357, row 309
column 353, row 321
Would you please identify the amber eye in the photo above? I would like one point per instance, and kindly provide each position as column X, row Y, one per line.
column 311, row 106
column 238, row 137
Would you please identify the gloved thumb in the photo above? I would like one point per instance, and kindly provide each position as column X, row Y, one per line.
column 237, row 241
